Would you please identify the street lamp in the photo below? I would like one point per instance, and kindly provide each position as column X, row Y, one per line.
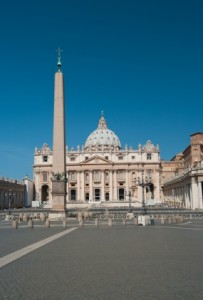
column 9, row 195
column 129, row 194
column 143, row 182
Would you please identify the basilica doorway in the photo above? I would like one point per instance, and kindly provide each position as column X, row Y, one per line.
column 45, row 193
column 121, row 194
column 150, row 191
column 107, row 196
column 97, row 195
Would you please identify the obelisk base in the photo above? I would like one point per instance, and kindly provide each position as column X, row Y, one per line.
column 58, row 198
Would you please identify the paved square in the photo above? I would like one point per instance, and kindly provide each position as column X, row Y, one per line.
column 133, row 262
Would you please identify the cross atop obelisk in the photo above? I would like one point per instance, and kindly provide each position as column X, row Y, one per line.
column 59, row 59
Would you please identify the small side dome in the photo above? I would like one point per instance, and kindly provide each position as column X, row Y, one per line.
column 102, row 137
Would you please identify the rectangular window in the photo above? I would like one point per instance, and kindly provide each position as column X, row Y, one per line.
column 97, row 176
column 121, row 175
column 107, row 177
column 86, row 177
column 149, row 156
column 72, row 176
column 45, row 158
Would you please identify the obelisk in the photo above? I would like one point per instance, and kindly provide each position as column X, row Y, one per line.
column 59, row 143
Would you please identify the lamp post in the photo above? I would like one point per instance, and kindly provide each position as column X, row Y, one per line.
column 129, row 194
column 9, row 195
column 143, row 182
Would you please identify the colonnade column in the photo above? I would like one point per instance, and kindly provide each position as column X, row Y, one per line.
column 195, row 196
column 200, row 194
column 114, row 186
column 186, row 196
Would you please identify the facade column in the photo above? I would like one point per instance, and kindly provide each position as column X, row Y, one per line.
column 157, row 185
column 82, row 186
column 110, row 186
column 102, row 186
column 115, row 197
column 127, row 187
column 91, row 187
column 78, row 187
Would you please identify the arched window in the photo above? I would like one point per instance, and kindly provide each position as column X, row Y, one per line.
column 87, row 196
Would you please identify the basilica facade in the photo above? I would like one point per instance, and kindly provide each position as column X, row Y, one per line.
column 101, row 172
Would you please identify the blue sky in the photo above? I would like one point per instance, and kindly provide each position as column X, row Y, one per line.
column 141, row 62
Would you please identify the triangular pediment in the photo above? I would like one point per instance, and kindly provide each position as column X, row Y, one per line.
column 96, row 160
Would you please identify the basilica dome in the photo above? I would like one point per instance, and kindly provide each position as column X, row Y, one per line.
column 102, row 138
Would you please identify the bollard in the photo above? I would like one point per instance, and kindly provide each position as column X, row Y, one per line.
column 96, row 222
column 14, row 224
column 173, row 220
column 42, row 217
column 109, row 222
column 80, row 216
column 30, row 223
column 81, row 223
column 64, row 223
column 20, row 217
column 178, row 219
column 162, row 221
column 124, row 222
column 25, row 218
column 136, row 221
column 47, row 223
column 86, row 215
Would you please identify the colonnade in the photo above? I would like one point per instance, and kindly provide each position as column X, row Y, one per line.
column 187, row 193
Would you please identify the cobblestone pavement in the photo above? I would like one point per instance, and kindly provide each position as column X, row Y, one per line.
column 157, row 262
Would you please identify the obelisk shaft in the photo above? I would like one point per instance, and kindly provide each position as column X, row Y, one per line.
column 59, row 146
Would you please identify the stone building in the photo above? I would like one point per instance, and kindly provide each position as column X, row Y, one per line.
column 184, row 186
column 12, row 193
column 101, row 172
